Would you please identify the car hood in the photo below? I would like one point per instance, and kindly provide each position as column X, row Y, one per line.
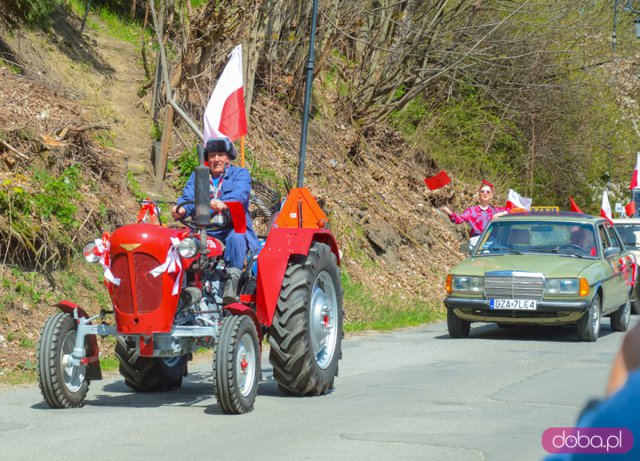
column 549, row 265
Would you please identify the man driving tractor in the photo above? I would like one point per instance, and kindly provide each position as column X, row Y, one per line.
column 229, row 183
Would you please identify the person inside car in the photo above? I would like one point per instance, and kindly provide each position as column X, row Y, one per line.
column 229, row 183
column 583, row 237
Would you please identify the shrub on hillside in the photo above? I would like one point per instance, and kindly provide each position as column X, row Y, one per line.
column 34, row 12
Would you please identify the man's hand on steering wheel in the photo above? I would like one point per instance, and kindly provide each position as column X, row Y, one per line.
column 177, row 213
column 218, row 206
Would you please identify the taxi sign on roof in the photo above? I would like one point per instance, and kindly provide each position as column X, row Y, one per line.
column 545, row 208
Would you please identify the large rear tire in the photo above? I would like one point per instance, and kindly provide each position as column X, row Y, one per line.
column 458, row 328
column 150, row 374
column 236, row 365
column 62, row 385
column 306, row 333
column 589, row 323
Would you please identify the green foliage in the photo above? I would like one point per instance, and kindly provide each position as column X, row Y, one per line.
column 58, row 194
column 382, row 313
column 36, row 13
column 12, row 67
column 184, row 164
column 134, row 186
column 156, row 132
column 105, row 138
column 465, row 136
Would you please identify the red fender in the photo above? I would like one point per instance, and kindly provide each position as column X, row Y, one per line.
column 273, row 259
column 243, row 309
column 93, row 351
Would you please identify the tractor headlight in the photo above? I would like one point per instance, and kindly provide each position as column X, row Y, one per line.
column 561, row 286
column 467, row 283
column 188, row 248
column 90, row 253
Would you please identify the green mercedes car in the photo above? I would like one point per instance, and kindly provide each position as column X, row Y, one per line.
column 543, row 268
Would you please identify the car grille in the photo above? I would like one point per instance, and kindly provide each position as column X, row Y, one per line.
column 148, row 288
column 513, row 285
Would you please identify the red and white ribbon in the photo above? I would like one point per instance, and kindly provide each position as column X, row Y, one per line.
column 102, row 250
column 171, row 265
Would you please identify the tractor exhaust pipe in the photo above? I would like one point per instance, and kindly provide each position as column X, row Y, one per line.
column 203, row 210
column 307, row 94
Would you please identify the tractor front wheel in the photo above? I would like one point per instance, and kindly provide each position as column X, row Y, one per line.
column 63, row 385
column 306, row 333
column 236, row 365
column 150, row 374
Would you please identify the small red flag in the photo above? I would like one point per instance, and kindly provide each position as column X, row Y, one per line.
column 575, row 208
column 630, row 209
column 437, row 181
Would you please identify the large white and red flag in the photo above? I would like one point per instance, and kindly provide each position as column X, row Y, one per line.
column 225, row 114
column 635, row 178
column 605, row 208
column 515, row 200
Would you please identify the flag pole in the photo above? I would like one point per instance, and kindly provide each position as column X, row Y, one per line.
column 242, row 151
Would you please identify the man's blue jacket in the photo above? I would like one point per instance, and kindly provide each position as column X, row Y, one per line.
column 236, row 187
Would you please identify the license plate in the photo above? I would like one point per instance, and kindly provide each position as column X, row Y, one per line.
column 513, row 304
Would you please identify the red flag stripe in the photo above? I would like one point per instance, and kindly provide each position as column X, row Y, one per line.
column 233, row 120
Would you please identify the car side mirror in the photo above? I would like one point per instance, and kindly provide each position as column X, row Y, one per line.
column 465, row 248
column 611, row 252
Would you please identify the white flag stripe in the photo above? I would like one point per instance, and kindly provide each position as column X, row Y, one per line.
column 229, row 82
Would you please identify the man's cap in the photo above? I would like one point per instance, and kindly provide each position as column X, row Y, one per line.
column 221, row 145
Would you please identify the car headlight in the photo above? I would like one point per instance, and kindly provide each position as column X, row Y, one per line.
column 188, row 248
column 467, row 283
column 90, row 253
column 561, row 286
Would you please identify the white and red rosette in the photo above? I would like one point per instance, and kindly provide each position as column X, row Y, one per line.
column 172, row 264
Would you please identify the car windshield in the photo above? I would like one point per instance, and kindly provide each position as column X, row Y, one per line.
column 630, row 234
column 558, row 238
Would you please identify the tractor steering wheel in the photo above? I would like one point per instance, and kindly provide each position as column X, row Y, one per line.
column 217, row 220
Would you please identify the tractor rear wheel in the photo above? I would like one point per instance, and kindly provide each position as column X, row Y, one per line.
column 63, row 385
column 150, row 374
column 306, row 333
column 236, row 365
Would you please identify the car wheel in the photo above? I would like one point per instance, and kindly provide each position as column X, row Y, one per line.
column 620, row 318
column 457, row 327
column 589, row 323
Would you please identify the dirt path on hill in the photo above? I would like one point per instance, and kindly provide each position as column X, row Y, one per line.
column 130, row 120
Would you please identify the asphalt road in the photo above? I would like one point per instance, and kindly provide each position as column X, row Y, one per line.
column 413, row 394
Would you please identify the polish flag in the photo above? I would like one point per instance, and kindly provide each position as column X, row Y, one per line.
column 515, row 200
column 605, row 209
column 635, row 179
column 225, row 115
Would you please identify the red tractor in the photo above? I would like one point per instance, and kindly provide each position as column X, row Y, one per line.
column 166, row 288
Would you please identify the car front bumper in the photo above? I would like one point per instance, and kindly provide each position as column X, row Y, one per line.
column 550, row 311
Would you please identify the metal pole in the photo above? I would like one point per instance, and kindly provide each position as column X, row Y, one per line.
column 307, row 95
column 167, row 81
column 86, row 13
